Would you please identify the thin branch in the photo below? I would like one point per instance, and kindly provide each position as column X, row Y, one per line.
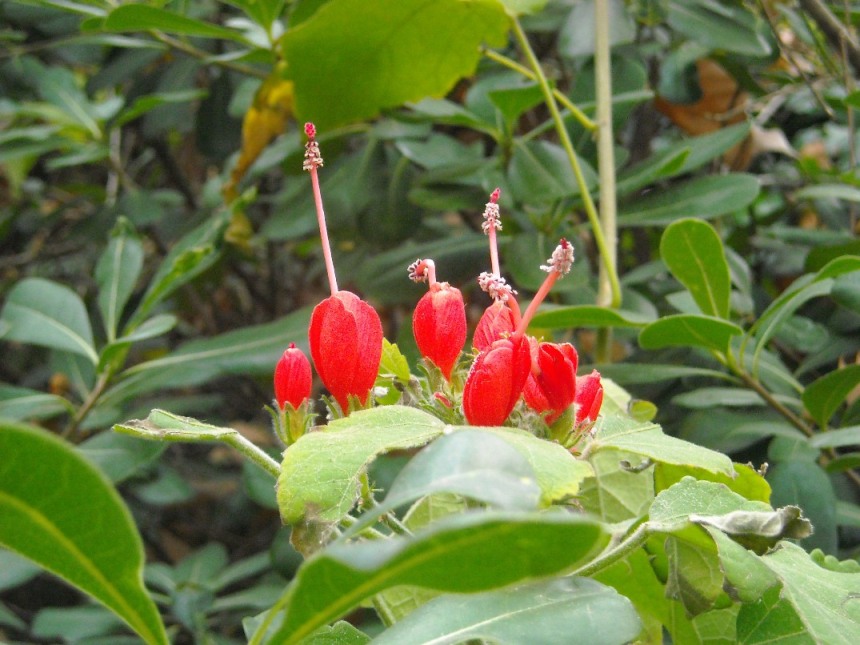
column 569, row 105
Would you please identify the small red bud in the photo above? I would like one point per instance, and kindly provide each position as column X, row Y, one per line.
column 495, row 382
column 439, row 326
column 345, row 338
column 551, row 387
column 589, row 397
column 496, row 322
column 293, row 378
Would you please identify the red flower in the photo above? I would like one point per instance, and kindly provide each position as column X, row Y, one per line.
column 551, row 386
column 496, row 322
column 293, row 378
column 345, row 337
column 589, row 397
column 439, row 326
column 496, row 381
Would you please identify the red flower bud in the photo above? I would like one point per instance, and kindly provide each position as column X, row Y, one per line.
column 345, row 337
column 551, row 387
column 496, row 322
column 293, row 378
column 496, row 381
column 439, row 326
column 589, row 397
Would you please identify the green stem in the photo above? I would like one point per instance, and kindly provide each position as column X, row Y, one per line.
column 254, row 453
column 608, row 295
column 569, row 105
column 590, row 210
column 616, row 553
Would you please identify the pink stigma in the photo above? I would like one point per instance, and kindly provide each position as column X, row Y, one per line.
column 310, row 130
column 494, row 197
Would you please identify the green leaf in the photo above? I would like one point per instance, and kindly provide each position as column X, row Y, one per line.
column 617, row 492
column 539, row 171
column 826, row 601
column 746, row 481
column 689, row 330
column 694, row 254
column 747, row 576
column 118, row 456
column 117, row 272
column 801, row 291
column 588, row 316
column 647, row 440
column 407, row 50
column 60, row 512
column 320, row 475
column 635, row 579
column 250, row 350
column 638, row 373
column 804, row 483
column 709, row 397
column 140, row 17
column 837, row 438
column 823, row 397
column 192, row 254
column 772, row 619
column 21, row 404
column 144, row 104
column 538, row 612
column 471, row 462
column 559, row 473
column 459, row 554
column 829, row 191
column 45, row 313
column 695, row 578
column 394, row 362
column 705, row 198
column 681, row 158
column 718, row 26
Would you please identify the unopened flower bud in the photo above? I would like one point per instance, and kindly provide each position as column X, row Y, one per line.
column 439, row 326
column 589, row 397
column 293, row 378
column 345, row 338
column 495, row 382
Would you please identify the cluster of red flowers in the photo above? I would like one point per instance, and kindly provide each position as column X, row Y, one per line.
column 345, row 339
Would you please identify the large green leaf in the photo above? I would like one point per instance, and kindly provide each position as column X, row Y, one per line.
column 60, row 512
column 826, row 601
column 45, row 313
column 538, row 612
column 406, row 50
column 771, row 619
column 461, row 554
column 694, row 254
column 647, row 440
column 689, row 330
column 824, row 396
column 837, row 438
column 321, row 472
column 117, row 272
column 705, row 197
